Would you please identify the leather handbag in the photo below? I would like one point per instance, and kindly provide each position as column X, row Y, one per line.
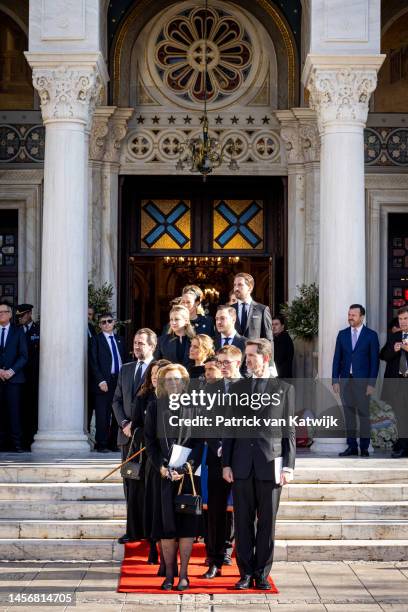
column 187, row 503
column 132, row 469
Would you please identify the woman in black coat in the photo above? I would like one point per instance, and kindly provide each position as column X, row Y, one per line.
column 191, row 298
column 202, row 347
column 174, row 530
column 174, row 344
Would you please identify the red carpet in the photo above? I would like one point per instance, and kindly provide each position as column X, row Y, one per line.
column 138, row 577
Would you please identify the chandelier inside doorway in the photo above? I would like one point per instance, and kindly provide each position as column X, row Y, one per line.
column 204, row 153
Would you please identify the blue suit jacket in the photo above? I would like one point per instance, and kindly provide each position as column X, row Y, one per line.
column 364, row 359
column 15, row 354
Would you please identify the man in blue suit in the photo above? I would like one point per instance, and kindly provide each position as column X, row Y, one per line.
column 355, row 369
column 13, row 358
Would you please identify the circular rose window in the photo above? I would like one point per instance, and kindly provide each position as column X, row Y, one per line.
column 184, row 42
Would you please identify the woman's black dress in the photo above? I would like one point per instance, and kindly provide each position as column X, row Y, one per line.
column 204, row 324
column 161, row 519
column 169, row 346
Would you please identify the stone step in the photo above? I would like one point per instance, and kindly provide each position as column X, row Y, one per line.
column 285, row 530
column 308, row 470
column 294, row 510
column 285, row 550
column 114, row 491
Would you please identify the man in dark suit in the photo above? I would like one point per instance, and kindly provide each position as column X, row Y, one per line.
column 283, row 349
column 253, row 319
column 13, row 358
column 220, row 533
column 355, row 370
column 226, row 334
column 395, row 354
column 106, row 358
column 258, row 467
column 24, row 315
column 130, row 380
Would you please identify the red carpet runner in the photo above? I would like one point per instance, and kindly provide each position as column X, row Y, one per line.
column 138, row 577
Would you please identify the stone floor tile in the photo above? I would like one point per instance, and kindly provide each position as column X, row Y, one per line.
column 359, row 607
column 336, row 582
column 293, row 583
column 388, row 585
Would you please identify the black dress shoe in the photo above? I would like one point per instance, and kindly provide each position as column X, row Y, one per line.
column 262, row 583
column 399, row 453
column 246, row 582
column 124, row 539
column 18, row 449
column 167, row 585
column 212, row 572
column 349, row 452
column 183, row 584
column 364, row 453
column 153, row 557
column 102, row 450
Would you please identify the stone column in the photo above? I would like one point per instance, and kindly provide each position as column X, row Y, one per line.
column 340, row 90
column 68, row 91
column 296, row 200
column 110, row 183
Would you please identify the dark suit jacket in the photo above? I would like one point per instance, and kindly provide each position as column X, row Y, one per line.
column 15, row 354
column 124, row 399
column 259, row 322
column 364, row 359
column 391, row 357
column 33, row 346
column 100, row 359
column 244, row 454
column 283, row 352
column 167, row 349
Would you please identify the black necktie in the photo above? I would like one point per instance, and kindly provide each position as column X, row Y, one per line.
column 3, row 336
column 244, row 317
column 138, row 374
column 227, row 341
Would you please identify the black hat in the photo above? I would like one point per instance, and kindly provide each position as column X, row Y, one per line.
column 23, row 308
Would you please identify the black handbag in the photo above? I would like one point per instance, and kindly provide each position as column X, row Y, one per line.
column 132, row 469
column 187, row 503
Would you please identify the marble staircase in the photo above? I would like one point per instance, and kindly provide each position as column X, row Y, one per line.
column 336, row 509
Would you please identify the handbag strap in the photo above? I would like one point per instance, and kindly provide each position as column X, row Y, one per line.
column 192, row 480
column 131, row 448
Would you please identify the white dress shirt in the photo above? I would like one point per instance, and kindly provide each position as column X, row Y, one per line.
column 145, row 364
column 231, row 337
column 358, row 330
column 241, row 305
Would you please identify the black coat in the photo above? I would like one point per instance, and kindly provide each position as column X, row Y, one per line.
column 167, row 349
column 283, row 351
column 391, row 357
column 259, row 322
column 15, row 354
column 100, row 359
column 244, row 454
column 33, row 346
column 124, row 399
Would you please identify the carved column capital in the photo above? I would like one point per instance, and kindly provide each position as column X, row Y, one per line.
column 100, row 129
column 291, row 137
column 117, row 131
column 341, row 93
column 68, row 93
column 310, row 137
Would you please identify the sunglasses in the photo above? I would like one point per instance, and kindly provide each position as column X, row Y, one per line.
column 106, row 321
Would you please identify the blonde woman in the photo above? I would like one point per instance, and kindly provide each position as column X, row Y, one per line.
column 174, row 345
column 202, row 347
column 191, row 298
column 175, row 531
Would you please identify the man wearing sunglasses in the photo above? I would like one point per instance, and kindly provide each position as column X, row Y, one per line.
column 107, row 354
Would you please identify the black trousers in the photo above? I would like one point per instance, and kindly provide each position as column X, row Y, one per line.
column 254, row 541
column 356, row 406
column 134, row 495
column 29, row 409
column 10, row 415
column 220, row 525
column 105, row 421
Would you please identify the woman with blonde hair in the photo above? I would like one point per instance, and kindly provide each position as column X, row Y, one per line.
column 175, row 530
column 174, row 344
column 191, row 298
column 202, row 347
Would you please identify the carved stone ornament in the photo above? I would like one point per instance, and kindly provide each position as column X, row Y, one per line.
column 117, row 132
column 341, row 94
column 310, row 138
column 67, row 93
column 97, row 138
column 291, row 136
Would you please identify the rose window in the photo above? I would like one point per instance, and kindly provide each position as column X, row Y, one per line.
column 183, row 46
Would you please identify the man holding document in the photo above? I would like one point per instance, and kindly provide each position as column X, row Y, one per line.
column 258, row 468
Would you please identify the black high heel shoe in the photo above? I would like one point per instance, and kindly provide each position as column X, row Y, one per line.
column 167, row 585
column 183, row 587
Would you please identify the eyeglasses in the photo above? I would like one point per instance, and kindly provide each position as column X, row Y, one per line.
column 106, row 322
column 224, row 363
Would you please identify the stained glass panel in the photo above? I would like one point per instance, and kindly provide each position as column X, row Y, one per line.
column 165, row 224
column 238, row 225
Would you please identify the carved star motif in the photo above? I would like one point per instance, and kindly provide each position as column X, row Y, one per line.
column 234, row 120
column 265, row 119
column 218, row 120
column 187, row 119
column 156, row 119
column 140, row 119
column 171, row 119
column 202, row 118
column 250, row 120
